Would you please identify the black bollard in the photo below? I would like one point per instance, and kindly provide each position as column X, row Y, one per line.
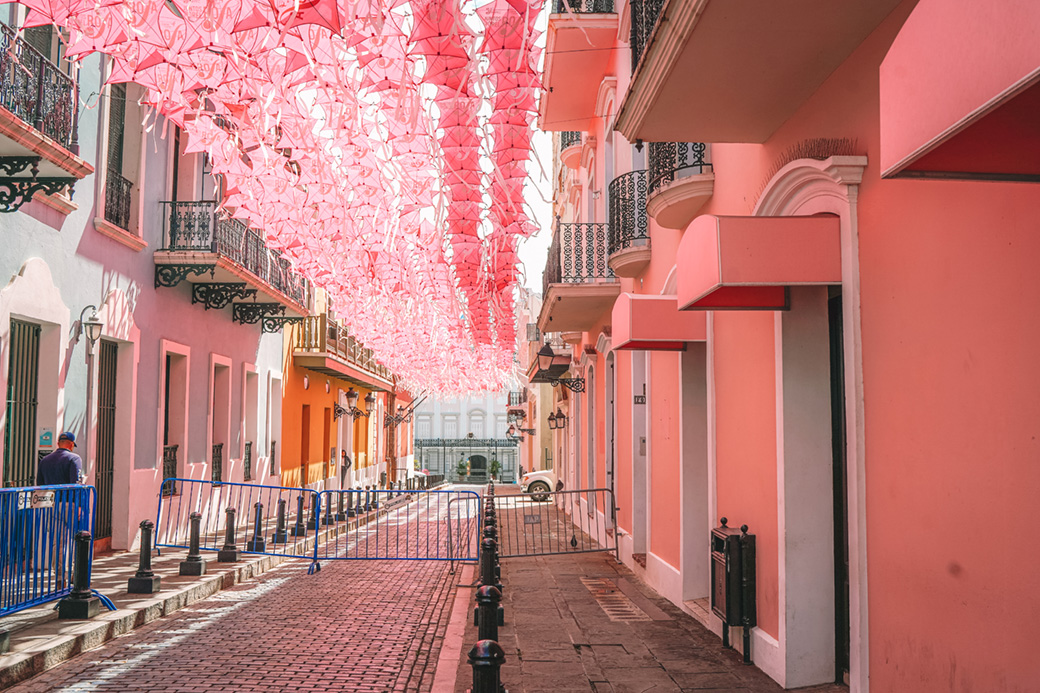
column 144, row 580
column 312, row 523
column 489, row 576
column 368, row 498
column 300, row 528
column 229, row 552
column 488, row 599
column 257, row 543
column 341, row 511
column 486, row 658
column 81, row 602
column 375, row 497
column 360, row 508
column 352, row 507
column 193, row 564
column 280, row 535
column 328, row 518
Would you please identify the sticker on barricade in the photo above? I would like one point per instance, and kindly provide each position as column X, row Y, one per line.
column 417, row 525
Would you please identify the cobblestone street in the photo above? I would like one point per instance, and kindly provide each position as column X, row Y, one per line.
column 353, row 626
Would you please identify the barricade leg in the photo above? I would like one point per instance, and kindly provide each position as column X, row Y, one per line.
column 194, row 563
column 229, row 552
column 144, row 580
column 81, row 602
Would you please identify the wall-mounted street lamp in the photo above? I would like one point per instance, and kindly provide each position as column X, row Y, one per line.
column 92, row 328
column 545, row 361
column 511, row 432
column 557, row 420
column 397, row 419
column 352, row 408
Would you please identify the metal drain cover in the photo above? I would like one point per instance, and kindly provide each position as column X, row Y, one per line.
column 614, row 603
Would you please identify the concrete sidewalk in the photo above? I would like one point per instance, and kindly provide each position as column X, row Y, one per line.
column 583, row 622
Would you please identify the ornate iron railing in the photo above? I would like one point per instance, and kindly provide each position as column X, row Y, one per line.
column 671, row 160
column 169, row 470
column 197, row 226
column 117, row 200
column 320, row 334
column 247, row 462
column 533, row 334
column 35, row 89
column 644, row 21
column 568, row 138
column 577, row 255
column 584, row 6
column 628, row 221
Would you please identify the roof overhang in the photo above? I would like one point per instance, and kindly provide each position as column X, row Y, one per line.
column 748, row 65
column 577, row 58
column 746, row 263
column 328, row 365
column 654, row 323
column 960, row 92
column 576, row 307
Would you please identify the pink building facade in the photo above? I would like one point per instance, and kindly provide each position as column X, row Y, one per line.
column 794, row 265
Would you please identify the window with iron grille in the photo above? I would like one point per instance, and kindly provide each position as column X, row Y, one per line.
column 533, row 334
column 20, row 429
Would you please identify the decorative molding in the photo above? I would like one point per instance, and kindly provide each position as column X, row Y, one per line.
column 219, row 294
column 790, row 185
column 252, row 313
column 674, row 205
column 172, row 275
column 60, row 203
column 130, row 240
column 630, row 262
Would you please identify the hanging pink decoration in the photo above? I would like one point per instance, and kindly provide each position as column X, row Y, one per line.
column 381, row 145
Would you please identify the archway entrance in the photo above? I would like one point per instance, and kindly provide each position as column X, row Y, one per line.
column 477, row 465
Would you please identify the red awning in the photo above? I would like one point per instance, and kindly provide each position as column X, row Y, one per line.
column 960, row 91
column 654, row 323
column 745, row 263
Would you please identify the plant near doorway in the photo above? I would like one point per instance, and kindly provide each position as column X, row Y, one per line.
column 493, row 468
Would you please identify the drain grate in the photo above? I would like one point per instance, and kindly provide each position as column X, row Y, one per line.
column 614, row 603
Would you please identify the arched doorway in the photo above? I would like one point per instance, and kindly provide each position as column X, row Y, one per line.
column 477, row 465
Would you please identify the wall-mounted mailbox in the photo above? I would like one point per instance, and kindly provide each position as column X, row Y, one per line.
column 733, row 581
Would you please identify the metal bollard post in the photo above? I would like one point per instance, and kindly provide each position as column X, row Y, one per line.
column 280, row 535
column 486, row 658
column 81, row 602
column 341, row 511
column 328, row 518
column 312, row 523
column 299, row 529
column 488, row 599
column 375, row 497
column 193, row 564
column 257, row 543
column 352, row 510
column 144, row 580
column 229, row 552
column 360, row 508
column 368, row 498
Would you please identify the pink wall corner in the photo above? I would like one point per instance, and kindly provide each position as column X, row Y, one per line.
column 665, row 423
column 745, row 440
column 623, row 436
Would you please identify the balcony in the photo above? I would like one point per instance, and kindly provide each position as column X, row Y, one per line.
column 117, row 200
column 578, row 57
column 570, row 148
column 323, row 345
column 767, row 58
column 38, row 141
column 681, row 181
column 226, row 260
column 578, row 284
column 629, row 244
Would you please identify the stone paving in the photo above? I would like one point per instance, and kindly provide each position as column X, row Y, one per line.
column 583, row 622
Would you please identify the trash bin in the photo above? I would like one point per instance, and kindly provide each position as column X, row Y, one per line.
column 733, row 581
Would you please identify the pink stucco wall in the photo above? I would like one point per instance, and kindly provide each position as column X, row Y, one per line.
column 665, row 420
column 745, row 410
column 623, row 438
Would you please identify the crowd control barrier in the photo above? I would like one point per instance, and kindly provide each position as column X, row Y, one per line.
column 272, row 520
column 556, row 522
column 37, row 527
column 400, row 525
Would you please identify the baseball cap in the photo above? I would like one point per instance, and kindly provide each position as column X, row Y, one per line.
column 69, row 436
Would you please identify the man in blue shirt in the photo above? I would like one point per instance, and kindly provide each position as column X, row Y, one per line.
column 62, row 466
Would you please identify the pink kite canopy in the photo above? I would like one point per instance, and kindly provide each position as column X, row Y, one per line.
column 380, row 144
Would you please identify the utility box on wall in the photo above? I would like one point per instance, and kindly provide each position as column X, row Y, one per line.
column 733, row 581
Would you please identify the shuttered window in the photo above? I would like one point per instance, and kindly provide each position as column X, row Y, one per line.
column 20, row 431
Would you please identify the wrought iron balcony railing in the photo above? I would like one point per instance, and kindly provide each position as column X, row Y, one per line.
column 35, row 89
column 117, row 200
column 671, row 160
column 569, row 138
column 644, row 21
column 533, row 335
column 628, row 220
column 584, row 6
column 319, row 334
column 197, row 226
column 577, row 255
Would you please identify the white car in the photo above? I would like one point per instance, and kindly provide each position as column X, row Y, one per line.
column 539, row 484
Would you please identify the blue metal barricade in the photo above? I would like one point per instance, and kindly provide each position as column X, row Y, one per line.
column 37, row 526
column 273, row 520
column 426, row 525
